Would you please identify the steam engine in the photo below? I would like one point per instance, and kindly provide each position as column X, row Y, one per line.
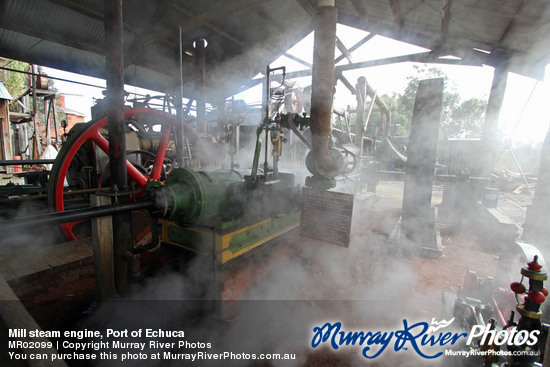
column 224, row 212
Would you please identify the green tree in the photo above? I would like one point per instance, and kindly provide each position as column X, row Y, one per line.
column 459, row 118
column 15, row 83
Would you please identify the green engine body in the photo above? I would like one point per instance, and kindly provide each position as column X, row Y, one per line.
column 228, row 209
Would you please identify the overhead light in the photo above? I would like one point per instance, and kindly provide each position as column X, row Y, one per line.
column 205, row 43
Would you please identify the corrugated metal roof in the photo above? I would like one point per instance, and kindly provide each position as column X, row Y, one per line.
column 245, row 35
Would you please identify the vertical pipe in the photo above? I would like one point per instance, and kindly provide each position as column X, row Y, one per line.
column 35, row 142
column 360, row 115
column 117, row 138
column 323, row 82
column 115, row 93
column 267, row 116
column 200, row 55
column 178, row 104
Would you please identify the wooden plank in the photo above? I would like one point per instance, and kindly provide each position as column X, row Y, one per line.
column 102, row 240
column 5, row 134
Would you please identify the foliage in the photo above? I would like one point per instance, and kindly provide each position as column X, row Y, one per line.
column 459, row 119
column 527, row 155
column 15, row 83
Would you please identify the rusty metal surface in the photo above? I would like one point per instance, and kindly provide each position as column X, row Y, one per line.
column 322, row 84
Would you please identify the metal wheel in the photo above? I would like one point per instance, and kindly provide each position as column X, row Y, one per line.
column 81, row 151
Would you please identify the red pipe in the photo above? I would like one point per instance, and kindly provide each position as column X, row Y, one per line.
column 161, row 153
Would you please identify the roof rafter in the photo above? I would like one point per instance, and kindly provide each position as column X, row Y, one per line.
column 94, row 14
column 46, row 35
column 445, row 18
column 396, row 12
column 356, row 46
column 510, row 24
column 307, row 7
column 204, row 18
column 180, row 9
column 297, row 59
column 160, row 10
column 359, row 8
column 345, row 52
column 425, row 57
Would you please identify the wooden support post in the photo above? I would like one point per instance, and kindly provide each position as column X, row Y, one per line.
column 102, row 240
column 490, row 128
column 5, row 133
column 114, row 61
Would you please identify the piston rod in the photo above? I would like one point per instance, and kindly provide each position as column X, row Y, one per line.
column 76, row 214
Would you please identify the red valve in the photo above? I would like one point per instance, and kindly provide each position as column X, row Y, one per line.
column 517, row 288
column 534, row 265
column 536, row 297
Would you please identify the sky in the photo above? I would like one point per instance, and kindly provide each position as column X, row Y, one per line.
column 523, row 119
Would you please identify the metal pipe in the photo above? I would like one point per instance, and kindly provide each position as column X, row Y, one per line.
column 360, row 114
column 267, row 116
column 50, row 77
column 35, row 142
column 178, row 104
column 521, row 173
column 322, row 84
column 200, row 48
column 43, row 196
column 115, row 93
column 154, row 238
column 368, row 117
column 76, row 214
column 257, row 152
column 12, row 162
